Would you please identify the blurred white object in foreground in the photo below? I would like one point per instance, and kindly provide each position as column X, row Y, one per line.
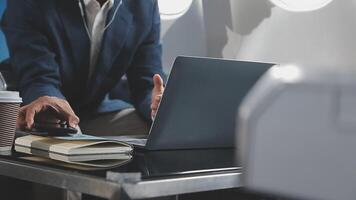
column 297, row 133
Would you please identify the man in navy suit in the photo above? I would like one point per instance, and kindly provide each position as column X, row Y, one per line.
column 69, row 54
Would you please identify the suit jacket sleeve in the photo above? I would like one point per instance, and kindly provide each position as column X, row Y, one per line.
column 32, row 59
column 147, row 62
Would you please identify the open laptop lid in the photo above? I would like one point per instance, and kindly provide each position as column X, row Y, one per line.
column 199, row 105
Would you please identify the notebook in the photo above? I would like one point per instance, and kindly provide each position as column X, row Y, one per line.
column 92, row 166
column 92, row 152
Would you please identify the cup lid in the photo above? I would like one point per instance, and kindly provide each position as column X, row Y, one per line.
column 10, row 97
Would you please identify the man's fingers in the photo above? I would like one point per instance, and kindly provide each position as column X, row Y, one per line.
column 155, row 102
column 21, row 121
column 66, row 111
column 158, row 98
column 47, row 117
column 73, row 121
column 46, row 109
column 30, row 115
column 70, row 118
column 153, row 114
column 154, row 107
column 158, row 83
column 156, row 94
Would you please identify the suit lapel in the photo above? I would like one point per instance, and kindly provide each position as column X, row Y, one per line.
column 114, row 37
column 113, row 40
column 69, row 12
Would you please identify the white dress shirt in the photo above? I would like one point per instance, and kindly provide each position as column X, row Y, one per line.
column 96, row 16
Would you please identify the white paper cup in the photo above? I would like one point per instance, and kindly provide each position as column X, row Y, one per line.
column 9, row 107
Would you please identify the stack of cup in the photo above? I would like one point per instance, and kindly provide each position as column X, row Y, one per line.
column 9, row 107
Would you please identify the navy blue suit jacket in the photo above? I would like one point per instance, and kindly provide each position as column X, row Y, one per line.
column 49, row 52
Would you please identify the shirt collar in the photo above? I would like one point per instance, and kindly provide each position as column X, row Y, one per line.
column 110, row 2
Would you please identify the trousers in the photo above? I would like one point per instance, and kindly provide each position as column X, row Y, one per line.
column 125, row 122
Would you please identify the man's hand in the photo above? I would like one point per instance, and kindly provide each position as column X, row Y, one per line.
column 48, row 109
column 157, row 93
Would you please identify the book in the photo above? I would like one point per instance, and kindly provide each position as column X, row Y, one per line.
column 91, row 152
column 103, row 165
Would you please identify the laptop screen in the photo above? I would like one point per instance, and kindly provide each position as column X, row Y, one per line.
column 200, row 103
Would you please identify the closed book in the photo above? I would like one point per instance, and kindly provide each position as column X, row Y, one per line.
column 93, row 161
column 84, row 152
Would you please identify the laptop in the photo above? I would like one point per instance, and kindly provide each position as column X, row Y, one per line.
column 198, row 108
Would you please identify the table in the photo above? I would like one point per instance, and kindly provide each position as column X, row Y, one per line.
column 147, row 175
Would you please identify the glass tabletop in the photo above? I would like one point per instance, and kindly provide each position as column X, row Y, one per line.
column 150, row 164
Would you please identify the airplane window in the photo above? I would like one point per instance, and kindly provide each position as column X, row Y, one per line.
column 300, row 5
column 172, row 9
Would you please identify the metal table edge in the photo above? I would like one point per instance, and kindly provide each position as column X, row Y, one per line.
column 183, row 185
column 59, row 178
